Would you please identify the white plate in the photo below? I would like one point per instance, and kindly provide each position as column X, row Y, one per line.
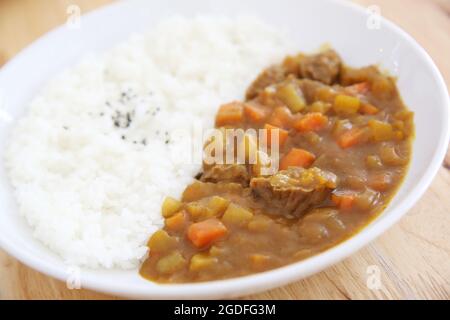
column 348, row 28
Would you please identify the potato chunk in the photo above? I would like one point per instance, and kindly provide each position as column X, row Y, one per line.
column 161, row 241
column 202, row 261
column 199, row 211
column 292, row 97
column 320, row 106
column 171, row 263
column 346, row 105
column 218, row 205
column 176, row 222
column 170, row 206
column 260, row 261
column 237, row 215
column 381, row 131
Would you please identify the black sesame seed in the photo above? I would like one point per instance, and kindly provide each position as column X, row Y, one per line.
column 122, row 120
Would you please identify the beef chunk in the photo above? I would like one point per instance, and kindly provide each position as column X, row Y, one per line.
column 309, row 89
column 293, row 191
column 237, row 173
column 270, row 76
column 323, row 67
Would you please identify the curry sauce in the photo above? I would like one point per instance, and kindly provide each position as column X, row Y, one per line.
column 344, row 139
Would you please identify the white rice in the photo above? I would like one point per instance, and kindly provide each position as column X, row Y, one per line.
column 93, row 196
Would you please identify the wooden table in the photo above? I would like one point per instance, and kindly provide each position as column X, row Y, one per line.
column 413, row 257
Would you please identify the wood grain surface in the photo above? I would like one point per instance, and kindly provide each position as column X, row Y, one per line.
column 412, row 258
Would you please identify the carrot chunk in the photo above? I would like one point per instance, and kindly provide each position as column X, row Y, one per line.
column 282, row 135
column 254, row 113
column 281, row 117
column 313, row 121
column 359, row 88
column 367, row 108
column 206, row 232
column 380, row 182
column 228, row 114
column 343, row 201
column 351, row 137
column 297, row 158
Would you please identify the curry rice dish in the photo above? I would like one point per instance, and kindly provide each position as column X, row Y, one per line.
column 91, row 161
column 344, row 139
